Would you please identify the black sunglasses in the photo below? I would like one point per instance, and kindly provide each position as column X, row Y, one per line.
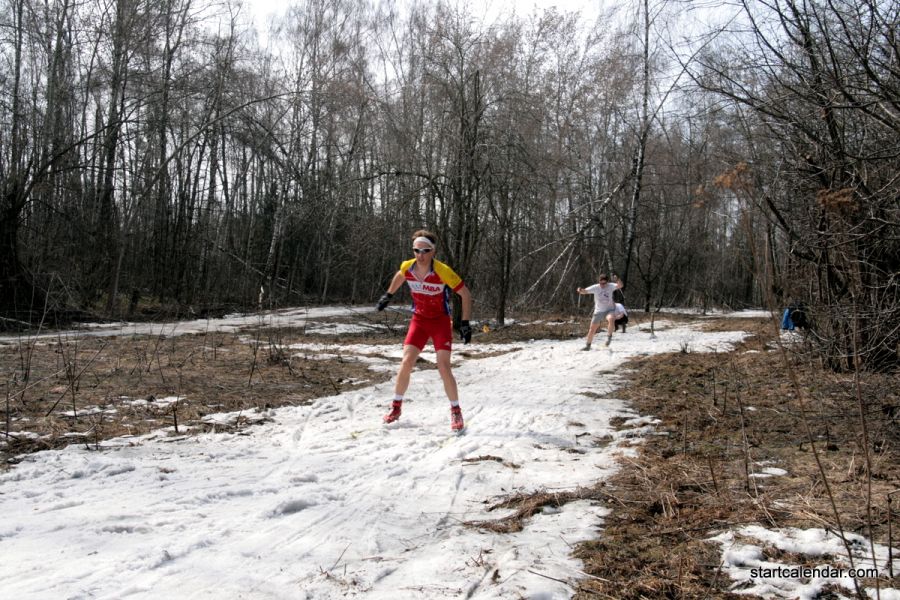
column 422, row 250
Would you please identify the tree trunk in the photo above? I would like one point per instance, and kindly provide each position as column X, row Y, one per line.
column 18, row 294
column 637, row 168
column 10, row 269
column 108, row 225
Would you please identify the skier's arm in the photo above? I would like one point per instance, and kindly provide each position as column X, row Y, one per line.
column 385, row 299
column 466, row 298
column 396, row 282
column 465, row 330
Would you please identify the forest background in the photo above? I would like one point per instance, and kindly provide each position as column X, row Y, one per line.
column 157, row 157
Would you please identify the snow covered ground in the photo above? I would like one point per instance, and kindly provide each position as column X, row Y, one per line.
column 291, row 317
column 322, row 501
column 308, row 317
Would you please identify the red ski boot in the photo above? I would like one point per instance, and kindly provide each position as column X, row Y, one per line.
column 456, row 420
column 395, row 411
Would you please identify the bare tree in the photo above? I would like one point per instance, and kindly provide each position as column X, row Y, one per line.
column 822, row 137
column 189, row 166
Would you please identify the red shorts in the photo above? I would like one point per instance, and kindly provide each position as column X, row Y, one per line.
column 440, row 330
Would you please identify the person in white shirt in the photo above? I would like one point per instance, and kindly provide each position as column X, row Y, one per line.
column 604, row 307
column 621, row 316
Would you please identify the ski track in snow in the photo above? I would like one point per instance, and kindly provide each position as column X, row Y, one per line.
column 325, row 502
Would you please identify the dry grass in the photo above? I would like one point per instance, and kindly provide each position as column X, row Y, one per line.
column 726, row 415
column 526, row 506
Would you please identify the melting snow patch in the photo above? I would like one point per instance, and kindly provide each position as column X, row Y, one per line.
column 341, row 328
column 25, row 435
column 744, row 559
column 233, row 418
column 88, row 411
column 740, row 314
column 770, row 472
column 321, row 356
column 151, row 401
column 639, row 421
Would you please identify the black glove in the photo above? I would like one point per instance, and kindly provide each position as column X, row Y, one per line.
column 384, row 301
column 465, row 331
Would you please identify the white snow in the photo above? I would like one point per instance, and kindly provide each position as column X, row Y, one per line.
column 150, row 401
column 293, row 317
column 323, row 501
column 769, row 472
column 739, row 314
column 745, row 562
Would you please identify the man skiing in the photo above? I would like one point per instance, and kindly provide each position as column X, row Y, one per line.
column 604, row 307
column 430, row 282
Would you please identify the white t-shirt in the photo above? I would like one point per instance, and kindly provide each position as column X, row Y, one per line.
column 603, row 296
column 620, row 311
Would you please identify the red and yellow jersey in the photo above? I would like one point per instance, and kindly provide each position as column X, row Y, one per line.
column 431, row 295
